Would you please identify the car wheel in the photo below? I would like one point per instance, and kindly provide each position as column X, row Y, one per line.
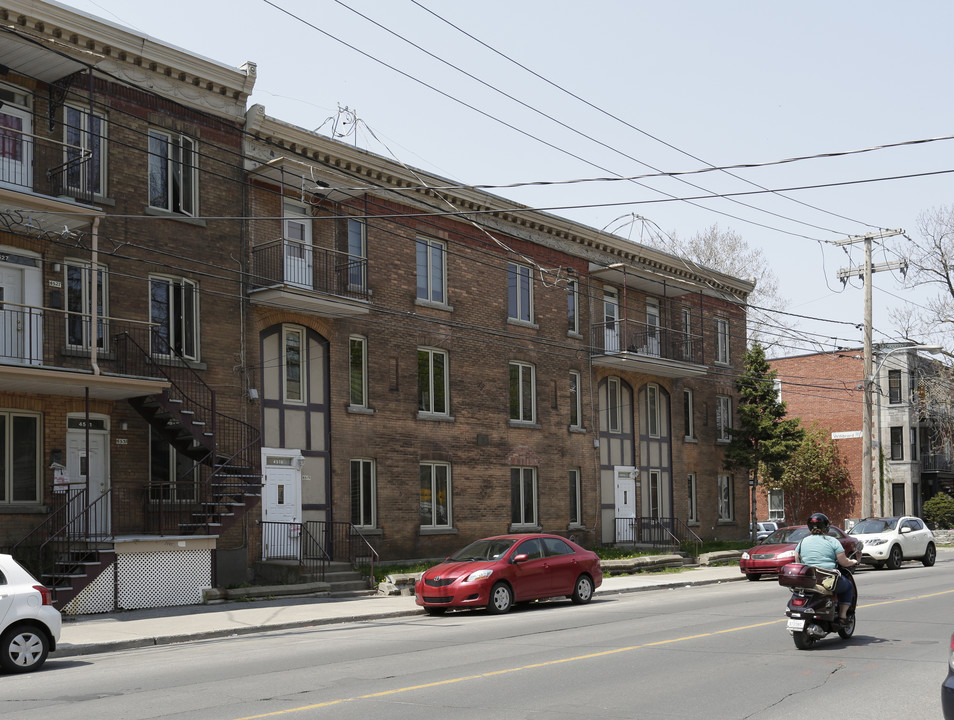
column 930, row 555
column 894, row 558
column 754, row 577
column 23, row 648
column 583, row 590
column 501, row 599
column 435, row 610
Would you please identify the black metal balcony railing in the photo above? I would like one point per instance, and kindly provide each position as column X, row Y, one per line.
column 942, row 462
column 47, row 167
column 629, row 336
column 301, row 265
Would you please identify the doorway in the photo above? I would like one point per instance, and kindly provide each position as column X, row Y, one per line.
column 281, row 503
column 87, row 468
column 625, row 483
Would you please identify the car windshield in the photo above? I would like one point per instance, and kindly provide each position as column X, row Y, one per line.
column 873, row 525
column 483, row 550
column 785, row 535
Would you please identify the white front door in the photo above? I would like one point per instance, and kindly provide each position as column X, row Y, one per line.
column 625, row 480
column 16, row 147
column 652, row 327
column 13, row 323
column 610, row 320
column 298, row 250
column 86, row 466
column 281, row 503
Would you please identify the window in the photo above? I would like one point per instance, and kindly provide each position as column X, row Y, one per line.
column 522, row 393
column 174, row 308
column 687, row 334
column 79, row 305
column 573, row 307
column 358, row 371
column 726, row 501
column 688, row 419
column 85, row 152
column 722, row 341
column 897, row 500
column 20, row 443
column 169, row 471
column 173, row 174
column 894, row 386
column 614, row 402
column 357, row 255
column 913, row 442
column 435, row 495
column 652, row 327
column 523, row 496
column 519, row 292
column 576, row 498
column 293, row 379
column 692, row 510
column 363, row 503
column 576, row 407
column 431, row 266
column 723, row 418
column 652, row 409
column 897, row 443
column 776, row 505
column 432, row 381
column 299, row 260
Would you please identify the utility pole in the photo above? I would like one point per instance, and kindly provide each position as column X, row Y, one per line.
column 865, row 272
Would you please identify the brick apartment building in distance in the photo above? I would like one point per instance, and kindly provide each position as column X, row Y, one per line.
column 282, row 315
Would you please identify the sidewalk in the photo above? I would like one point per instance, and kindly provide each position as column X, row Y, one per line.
column 88, row 634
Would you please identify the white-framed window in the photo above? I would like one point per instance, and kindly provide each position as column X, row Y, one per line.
column 523, row 495
column 172, row 475
column 174, row 308
column 573, row 307
column 173, row 173
column 722, row 341
column 363, row 491
column 692, row 510
column 357, row 254
column 576, row 406
column 723, row 418
column 726, row 499
column 520, row 292
column 655, row 480
column 523, row 392
column 436, row 495
column 689, row 421
column 776, row 505
column 21, row 440
column 686, row 334
column 431, row 270
column 84, row 137
column 293, row 375
column 79, row 304
column 358, row 371
column 432, row 381
column 652, row 409
column 614, row 405
column 576, row 497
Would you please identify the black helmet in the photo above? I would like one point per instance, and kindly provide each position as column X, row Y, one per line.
column 819, row 521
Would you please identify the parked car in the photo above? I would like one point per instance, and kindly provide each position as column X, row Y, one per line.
column 947, row 687
column 494, row 573
column 890, row 540
column 29, row 624
column 764, row 529
column 778, row 549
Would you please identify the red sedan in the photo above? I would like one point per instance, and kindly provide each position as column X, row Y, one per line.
column 778, row 549
column 494, row 573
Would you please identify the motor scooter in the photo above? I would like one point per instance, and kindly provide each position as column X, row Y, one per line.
column 813, row 608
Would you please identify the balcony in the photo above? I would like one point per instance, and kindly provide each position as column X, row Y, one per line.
column 937, row 462
column 47, row 352
column 631, row 346
column 295, row 275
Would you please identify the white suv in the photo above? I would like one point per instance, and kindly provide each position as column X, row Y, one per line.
column 29, row 624
column 890, row 540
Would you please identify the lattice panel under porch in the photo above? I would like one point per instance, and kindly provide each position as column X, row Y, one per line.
column 97, row 597
column 163, row 579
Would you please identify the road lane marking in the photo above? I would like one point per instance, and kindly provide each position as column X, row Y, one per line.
column 576, row 658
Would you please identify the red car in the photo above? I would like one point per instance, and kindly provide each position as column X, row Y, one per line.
column 494, row 573
column 778, row 549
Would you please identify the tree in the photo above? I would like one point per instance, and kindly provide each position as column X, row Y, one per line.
column 815, row 476
column 764, row 439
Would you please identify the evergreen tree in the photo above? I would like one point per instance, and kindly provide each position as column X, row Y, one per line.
column 763, row 439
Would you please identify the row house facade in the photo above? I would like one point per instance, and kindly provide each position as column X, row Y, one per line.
column 227, row 340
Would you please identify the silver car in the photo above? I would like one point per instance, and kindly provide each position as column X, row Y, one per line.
column 29, row 624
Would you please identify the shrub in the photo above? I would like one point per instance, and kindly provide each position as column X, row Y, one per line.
column 939, row 512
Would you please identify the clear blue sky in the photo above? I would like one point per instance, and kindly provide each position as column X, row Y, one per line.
column 729, row 83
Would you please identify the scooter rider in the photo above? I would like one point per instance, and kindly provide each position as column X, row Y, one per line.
column 822, row 550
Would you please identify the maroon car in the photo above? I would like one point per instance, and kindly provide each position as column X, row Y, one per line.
column 778, row 549
column 494, row 573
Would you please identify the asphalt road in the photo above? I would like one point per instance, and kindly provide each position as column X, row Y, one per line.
column 718, row 651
